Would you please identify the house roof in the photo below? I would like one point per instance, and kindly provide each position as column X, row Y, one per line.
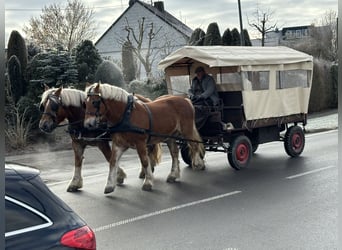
column 164, row 15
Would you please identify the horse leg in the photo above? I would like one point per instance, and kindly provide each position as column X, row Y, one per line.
column 154, row 154
column 77, row 180
column 113, row 165
column 174, row 151
column 197, row 150
column 148, row 181
column 106, row 151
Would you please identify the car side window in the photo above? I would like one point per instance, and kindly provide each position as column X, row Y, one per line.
column 20, row 218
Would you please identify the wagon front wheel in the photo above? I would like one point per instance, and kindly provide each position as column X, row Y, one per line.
column 240, row 152
column 294, row 141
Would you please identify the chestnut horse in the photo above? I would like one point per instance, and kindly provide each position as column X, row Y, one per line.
column 134, row 125
column 58, row 104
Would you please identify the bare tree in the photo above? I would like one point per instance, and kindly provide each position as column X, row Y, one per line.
column 138, row 39
column 62, row 26
column 261, row 22
column 325, row 36
column 322, row 40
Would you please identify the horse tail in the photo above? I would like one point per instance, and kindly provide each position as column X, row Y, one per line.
column 196, row 146
column 155, row 153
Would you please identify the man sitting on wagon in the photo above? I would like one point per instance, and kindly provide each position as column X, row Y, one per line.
column 203, row 95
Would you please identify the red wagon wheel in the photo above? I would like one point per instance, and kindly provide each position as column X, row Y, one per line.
column 240, row 152
column 294, row 141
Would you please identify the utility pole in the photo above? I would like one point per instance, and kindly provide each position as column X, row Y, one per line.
column 242, row 38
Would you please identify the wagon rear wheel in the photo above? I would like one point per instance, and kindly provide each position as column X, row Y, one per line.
column 184, row 149
column 294, row 141
column 240, row 152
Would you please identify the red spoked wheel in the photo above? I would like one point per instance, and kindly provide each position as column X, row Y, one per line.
column 294, row 141
column 240, row 152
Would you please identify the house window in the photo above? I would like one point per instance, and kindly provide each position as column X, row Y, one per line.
column 293, row 78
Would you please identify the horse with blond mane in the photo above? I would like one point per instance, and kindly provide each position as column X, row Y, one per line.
column 135, row 125
column 59, row 104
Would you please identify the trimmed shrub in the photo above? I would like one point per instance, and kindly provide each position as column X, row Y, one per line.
column 15, row 78
column 236, row 39
column 128, row 64
column 197, row 37
column 227, row 38
column 213, row 36
column 109, row 72
column 321, row 86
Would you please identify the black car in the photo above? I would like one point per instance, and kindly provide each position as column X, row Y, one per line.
column 35, row 218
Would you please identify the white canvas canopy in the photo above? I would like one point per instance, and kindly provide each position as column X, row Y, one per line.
column 273, row 101
column 222, row 56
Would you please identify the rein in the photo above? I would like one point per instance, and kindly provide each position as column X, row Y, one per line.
column 124, row 125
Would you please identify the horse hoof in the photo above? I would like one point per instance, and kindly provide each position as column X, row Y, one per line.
column 108, row 190
column 72, row 189
column 171, row 179
column 120, row 181
column 147, row 187
column 199, row 167
column 142, row 175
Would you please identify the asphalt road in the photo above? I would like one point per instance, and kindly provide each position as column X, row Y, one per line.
column 277, row 203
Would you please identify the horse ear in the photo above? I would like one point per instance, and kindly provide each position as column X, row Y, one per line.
column 58, row 91
column 46, row 87
column 97, row 87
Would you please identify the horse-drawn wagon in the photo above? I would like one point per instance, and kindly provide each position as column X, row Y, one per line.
column 264, row 94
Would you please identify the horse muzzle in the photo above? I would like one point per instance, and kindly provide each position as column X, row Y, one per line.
column 91, row 123
column 47, row 127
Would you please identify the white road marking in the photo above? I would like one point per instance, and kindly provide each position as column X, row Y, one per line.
column 309, row 172
column 163, row 211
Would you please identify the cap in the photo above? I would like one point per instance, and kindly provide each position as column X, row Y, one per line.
column 199, row 69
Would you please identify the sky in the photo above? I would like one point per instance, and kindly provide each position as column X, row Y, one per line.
column 194, row 13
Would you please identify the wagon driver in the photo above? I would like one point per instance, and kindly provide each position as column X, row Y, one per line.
column 203, row 95
column 203, row 89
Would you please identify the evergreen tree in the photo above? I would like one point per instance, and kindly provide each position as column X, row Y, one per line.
column 17, row 46
column 128, row 64
column 15, row 78
column 246, row 37
column 87, row 59
column 227, row 38
column 236, row 40
column 197, row 37
column 213, row 36
column 54, row 68
column 109, row 72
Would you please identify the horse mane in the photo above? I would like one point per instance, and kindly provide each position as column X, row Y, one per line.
column 69, row 96
column 110, row 92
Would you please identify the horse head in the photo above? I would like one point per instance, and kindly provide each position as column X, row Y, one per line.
column 52, row 109
column 94, row 107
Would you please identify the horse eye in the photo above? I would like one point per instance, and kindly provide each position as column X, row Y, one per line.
column 41, row 108
column 54, row 106
column 96, row 104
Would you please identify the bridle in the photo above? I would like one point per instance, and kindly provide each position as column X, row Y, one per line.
column 96, row 104
column 56, row 102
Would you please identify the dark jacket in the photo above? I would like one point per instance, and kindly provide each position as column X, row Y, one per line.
column 205, row 88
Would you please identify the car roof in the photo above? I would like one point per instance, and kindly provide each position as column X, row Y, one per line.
column 20, row 172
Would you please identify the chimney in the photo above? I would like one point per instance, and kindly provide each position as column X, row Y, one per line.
column 159, row 5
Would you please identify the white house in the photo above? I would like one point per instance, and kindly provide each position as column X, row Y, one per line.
column 169, row 33
column 285, row 37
